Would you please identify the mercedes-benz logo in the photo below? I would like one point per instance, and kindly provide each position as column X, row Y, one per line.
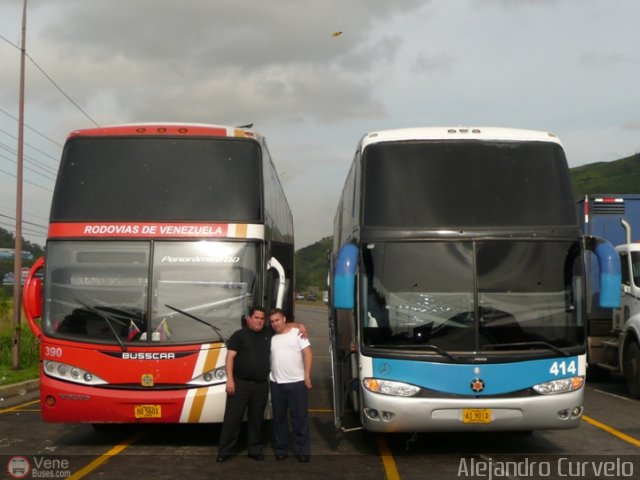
column 384, row 369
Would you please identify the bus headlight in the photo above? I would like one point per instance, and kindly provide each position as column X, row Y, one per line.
column 71, row 373
column 562, row 385
column 389, row 387
column 212, row 377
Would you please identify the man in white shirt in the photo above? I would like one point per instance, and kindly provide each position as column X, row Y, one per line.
column 290, row 379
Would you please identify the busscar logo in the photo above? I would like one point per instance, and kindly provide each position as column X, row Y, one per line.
column 148, row 355
column 18, row 467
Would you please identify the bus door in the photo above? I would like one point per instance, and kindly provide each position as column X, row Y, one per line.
column 342, row 330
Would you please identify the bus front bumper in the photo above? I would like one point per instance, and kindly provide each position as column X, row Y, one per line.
column 70, row 403
column 385, row 413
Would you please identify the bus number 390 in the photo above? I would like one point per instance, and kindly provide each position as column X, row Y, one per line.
column 562, row 368
column 53, row 352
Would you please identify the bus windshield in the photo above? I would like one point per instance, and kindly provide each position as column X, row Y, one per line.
column 153, row 292
column 159, row 179
column 449, row 183
column 464, row 297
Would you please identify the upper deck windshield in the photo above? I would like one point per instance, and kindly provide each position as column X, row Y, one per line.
column 466, row 297
column 159, row 179
column 454, row 183
column 148, row 293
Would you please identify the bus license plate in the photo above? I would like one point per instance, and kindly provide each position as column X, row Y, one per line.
column 476, row 415
column 148, row 411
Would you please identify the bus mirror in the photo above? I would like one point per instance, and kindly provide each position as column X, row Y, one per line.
column 610, row 277
column 282, row 280
column 344, row 277
column 32, row 296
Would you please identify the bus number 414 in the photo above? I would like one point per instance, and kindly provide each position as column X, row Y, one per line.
column 562, row 368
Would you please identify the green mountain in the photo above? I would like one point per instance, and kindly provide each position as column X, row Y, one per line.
column 312, row 266
column 618, row 176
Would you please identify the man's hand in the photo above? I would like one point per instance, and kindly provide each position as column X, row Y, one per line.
column 231, row 387
column 302, row 333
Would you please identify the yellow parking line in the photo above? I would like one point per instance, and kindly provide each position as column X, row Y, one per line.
column 106, row 456
column 612, row 431
column 387, row 459
column 18, row 407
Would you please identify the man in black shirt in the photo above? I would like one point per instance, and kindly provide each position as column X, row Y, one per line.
column 247, row 368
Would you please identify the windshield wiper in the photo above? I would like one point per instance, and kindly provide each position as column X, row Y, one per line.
column 193, row 317
column 527, row 345
column 106, row 317
column 421, row 346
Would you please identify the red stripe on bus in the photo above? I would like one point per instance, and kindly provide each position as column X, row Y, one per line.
column 137, row 230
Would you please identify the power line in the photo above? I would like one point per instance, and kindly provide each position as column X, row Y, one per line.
column 62, row 91
column 31, row 128
column 48, row 77
column 48, row 177
column 25, row 222
column 8, row 134
column 45, row 168
column 12, row 211
column 27, row 181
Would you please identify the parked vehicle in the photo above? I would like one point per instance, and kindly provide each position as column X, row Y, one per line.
column 457, row 283
column 614, row 335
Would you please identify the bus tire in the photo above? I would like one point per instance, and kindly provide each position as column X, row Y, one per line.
column 632, row 369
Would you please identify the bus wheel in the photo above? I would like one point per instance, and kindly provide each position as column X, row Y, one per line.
column 632, row 369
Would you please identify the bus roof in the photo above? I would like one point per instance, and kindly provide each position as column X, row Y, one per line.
column 166, row 128
column 458, row 133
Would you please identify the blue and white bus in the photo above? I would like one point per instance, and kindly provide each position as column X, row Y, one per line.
column 457, row 283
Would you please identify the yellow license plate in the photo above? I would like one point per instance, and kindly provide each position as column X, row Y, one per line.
column 476, row 415
column 148, row 411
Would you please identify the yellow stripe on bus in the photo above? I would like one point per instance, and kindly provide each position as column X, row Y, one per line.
column 241, row 230
column 200, row 397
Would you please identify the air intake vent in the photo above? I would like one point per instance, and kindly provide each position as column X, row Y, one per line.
column 608, row 206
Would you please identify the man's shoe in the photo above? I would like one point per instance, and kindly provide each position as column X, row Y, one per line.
column 303, row 458
column 256, row 456
column 282, row 456
column 222, row 458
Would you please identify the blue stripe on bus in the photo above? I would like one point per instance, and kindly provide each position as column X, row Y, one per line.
column 500, row 378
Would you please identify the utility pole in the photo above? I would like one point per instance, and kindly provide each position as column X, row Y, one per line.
column 17, row 262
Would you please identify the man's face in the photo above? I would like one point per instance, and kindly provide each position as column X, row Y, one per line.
column 277, row 322
column 255, row 322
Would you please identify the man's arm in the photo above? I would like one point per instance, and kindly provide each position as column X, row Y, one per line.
column 228, row 367
column 307, row 358
column 302, row 329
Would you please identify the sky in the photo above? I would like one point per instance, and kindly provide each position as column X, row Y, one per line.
column 571, row 67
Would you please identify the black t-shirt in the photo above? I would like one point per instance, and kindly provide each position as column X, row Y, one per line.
column 253, row 352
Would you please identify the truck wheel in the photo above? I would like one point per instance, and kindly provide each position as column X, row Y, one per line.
column 632, row 369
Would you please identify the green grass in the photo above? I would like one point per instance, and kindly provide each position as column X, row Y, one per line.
column 29, row 348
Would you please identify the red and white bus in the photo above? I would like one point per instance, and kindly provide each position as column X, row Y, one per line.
column 161, row 237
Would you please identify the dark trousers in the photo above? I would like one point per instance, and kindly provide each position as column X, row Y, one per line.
column 250, row 397
column 291, row 398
